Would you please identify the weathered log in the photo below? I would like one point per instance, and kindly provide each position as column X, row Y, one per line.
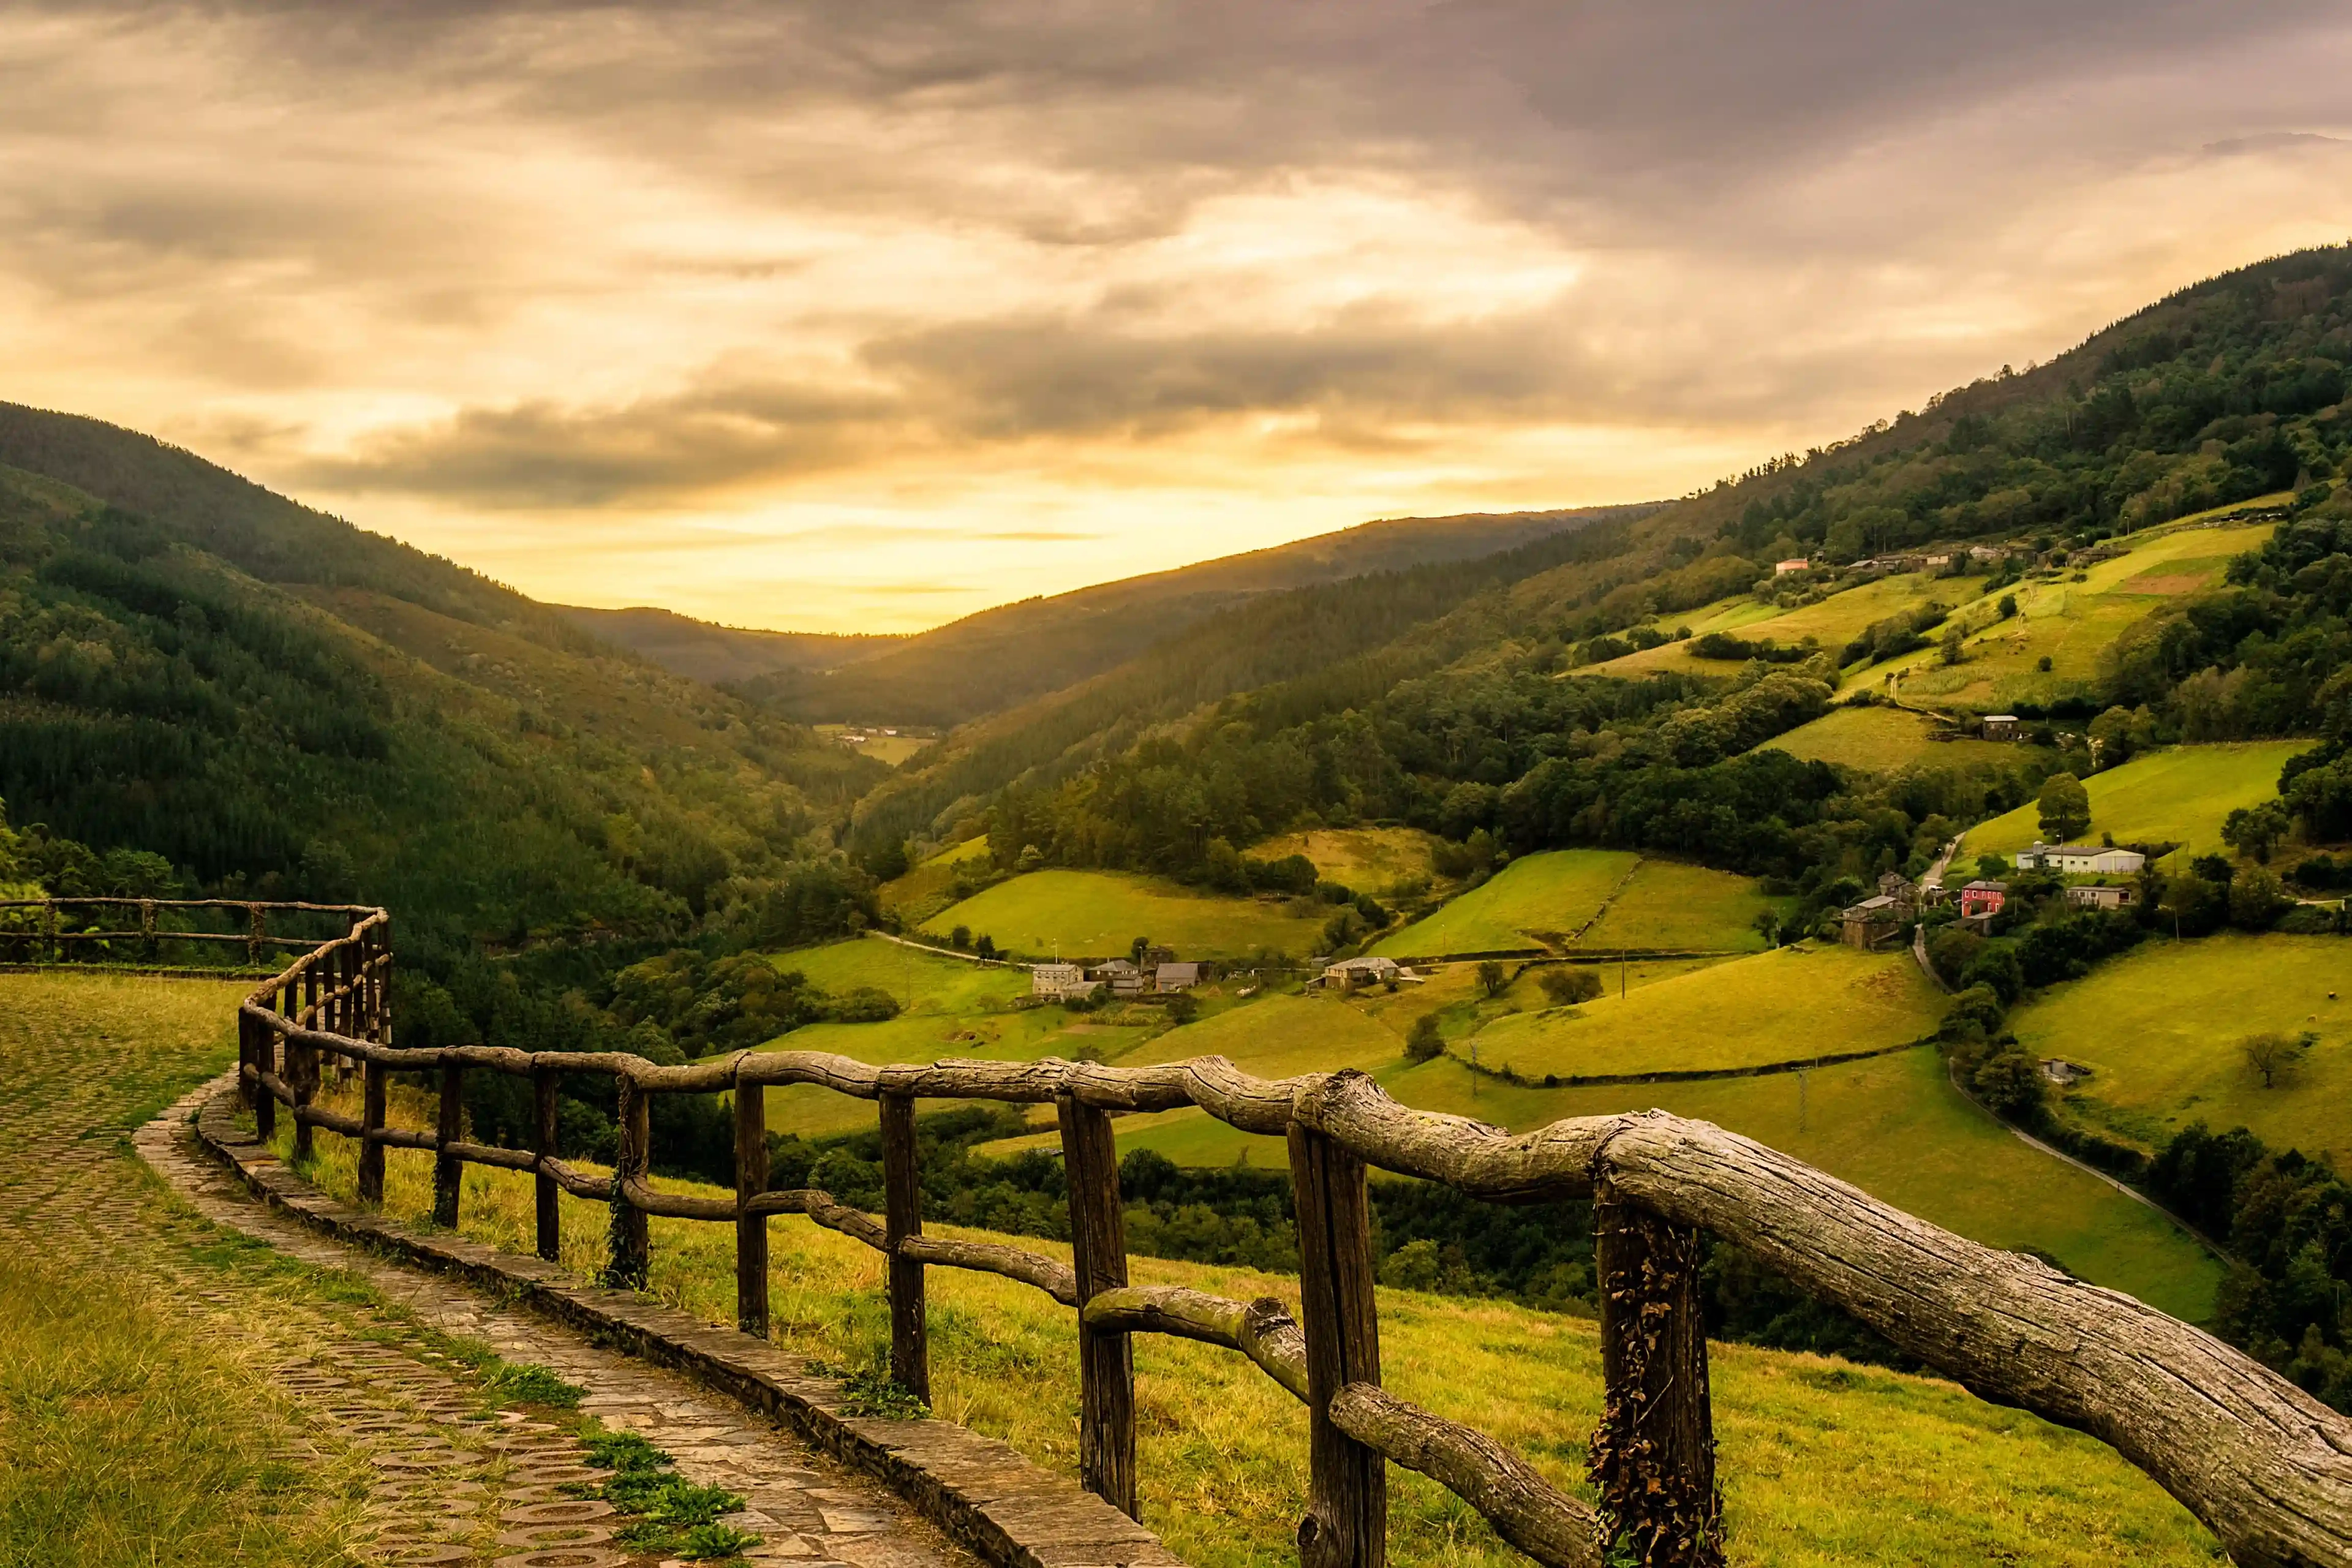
column 546, row 1212
column 448, row 1171
column 307, row 1117
column 1524, row 1509
column 902, row 1196
column 1348, row 1499
column 751, row 1226
column 1260, row 1330
column 628, row 1259
column 375, row 1085
column 646, row 1198
column 579, row 1183
column 491, row 1154
column 404, row 1138
column 1056, row 1279
column 1098, row 1258
column 1652, row 1459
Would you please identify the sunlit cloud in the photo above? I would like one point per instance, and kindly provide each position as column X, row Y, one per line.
column 860, row 318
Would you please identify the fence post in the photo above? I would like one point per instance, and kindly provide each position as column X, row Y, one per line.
column 147, row 944
column 902, row 1202
column 1105, row 1360
column 246, row 1087
column 1653, row 1458
column 302, row 1077
column 630, row 1244
column 550, row 1217
column 382, row 1035
column 253, row 939
column 751, row 1229
column 49, row 918
column 1348, row 1491
column 447, row 1169
column 265, row 1059
column 371, row 1107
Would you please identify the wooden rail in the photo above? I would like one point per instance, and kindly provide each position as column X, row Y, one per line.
column 147, row 938
column 2267, row 1467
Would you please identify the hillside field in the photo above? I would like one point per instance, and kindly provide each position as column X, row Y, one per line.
column 2071, row 624
column 1783, row 1005
column 927, row 887
column 1880, row 741
column 2160, row 1028
column 2181, row 796
column 1096, row 914
column 1833, row 623
column 1671, row 906
column 1368, row 859
column 1821, row 1461
column 952, row 1009
column 1537, row 901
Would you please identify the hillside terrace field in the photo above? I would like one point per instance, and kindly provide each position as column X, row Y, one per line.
column 1537, row 901
column 1833, row 623
column 1881, row 741
column 1669, row 905
column 1096, row 914
column 1368, row 859
column 927, row 887
column 1821, row 1461
column 2071, row 624
column 1793, row 1003
column 2160, row 1029
column 2181, row 796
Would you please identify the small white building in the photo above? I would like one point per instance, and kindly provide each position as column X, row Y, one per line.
column 1170, row 977
column 2002, row 726
column 1123, row 977
column 2102, row 896
column 2081, row 859
column 1783, row 568
column 1058, row 982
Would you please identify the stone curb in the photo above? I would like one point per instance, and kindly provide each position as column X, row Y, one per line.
column 983, row 1492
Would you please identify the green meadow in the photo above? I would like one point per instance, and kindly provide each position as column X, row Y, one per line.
column 1821, row 1462
column 1368, row 859
column 1537, row 901
column 1097, row 914
column 1789, row 1003
column 2181, row 796
column 928, row 887
column 1668, row 905
column 1880, row 741
column 2160, row 1028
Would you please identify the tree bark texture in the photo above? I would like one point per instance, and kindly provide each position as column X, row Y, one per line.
column 629, row 1242
column 902, row 1200
column 1652, row 1461
column 1348, row 1499
column 751, row 1225
column 1106, row 1355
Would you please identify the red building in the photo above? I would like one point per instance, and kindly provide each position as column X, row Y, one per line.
column 1982, row 899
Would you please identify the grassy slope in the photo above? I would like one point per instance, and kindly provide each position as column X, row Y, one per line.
column 1671, row 905
column 1771, row 1007
column 1821, row 1462
column 952, row 1009
column 1368, row 859
column 2072, row 624
column 1880, row 741
column 1834, row 622
column 1554, row 892
column 1098, row 914
column 2181, row 796
column 929, row 885
column 2160, row 1029
column 130, row 1431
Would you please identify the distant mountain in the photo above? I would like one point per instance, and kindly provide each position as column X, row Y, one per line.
column 281, row 704
column 700, row 650
column 991, row 662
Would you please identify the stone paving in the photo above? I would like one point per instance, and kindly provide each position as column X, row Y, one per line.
column 449, row 1475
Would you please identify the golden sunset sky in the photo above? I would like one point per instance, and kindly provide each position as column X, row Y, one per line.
column 862, row 317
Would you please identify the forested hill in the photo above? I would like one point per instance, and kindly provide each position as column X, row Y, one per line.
column 1457, row 711
column 276, row 703
column 991, row 662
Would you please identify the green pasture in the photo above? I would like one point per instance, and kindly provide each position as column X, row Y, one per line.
column 2160, row 1028
column 1833, row 623
column 2180, row 795
column 929, row 884
column 2071, row 624
column 1097, row 914
column 1541, row 900
column 1777, row 1006
column 1881, row 741
column 1667, row 904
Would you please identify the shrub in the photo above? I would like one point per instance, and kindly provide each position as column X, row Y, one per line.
column 1492, row 977
column 1426, row 1042
column 1566, row 987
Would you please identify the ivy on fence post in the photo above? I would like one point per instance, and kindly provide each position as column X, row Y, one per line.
column 629, row 1242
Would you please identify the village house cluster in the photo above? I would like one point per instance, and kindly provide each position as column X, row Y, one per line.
column 1883, row 917
column 1160, row 973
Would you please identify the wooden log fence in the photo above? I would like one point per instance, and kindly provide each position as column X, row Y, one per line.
column 2265, row 1466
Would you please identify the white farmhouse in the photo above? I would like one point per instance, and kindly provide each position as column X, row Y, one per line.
column 2081, row 859
column 1058, row 982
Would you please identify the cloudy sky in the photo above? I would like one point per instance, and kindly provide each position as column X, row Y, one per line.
column 860, row 316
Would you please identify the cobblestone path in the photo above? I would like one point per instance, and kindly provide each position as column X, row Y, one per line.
column 378, row 1360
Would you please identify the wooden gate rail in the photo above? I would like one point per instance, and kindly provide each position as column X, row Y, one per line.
column 2266, row 1466
column 255, row 939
